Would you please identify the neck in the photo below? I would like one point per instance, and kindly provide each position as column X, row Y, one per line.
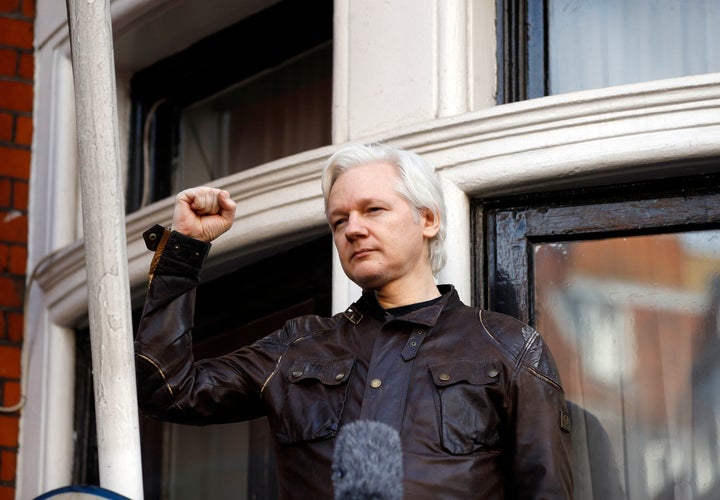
column 397, row 295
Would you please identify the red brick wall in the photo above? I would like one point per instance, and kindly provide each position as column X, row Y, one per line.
column 16, row 106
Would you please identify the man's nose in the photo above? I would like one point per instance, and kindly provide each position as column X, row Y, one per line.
column 355, row 227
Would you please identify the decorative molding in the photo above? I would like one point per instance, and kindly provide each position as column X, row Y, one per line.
column 586, row 138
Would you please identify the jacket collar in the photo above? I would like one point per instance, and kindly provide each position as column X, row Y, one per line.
column 426, row 316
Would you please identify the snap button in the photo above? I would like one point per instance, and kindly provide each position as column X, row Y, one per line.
column 375, row 383
column 152, row 236
column 444, row 377
column 339, row 376
column 493, row 373
column 297, row 373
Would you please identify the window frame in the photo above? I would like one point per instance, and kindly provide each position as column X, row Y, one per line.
column 521, row 50
column 651, row 207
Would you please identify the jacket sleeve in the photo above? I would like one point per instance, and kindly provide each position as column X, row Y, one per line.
column 539, row 459
column 171, row 384
column 542, row 459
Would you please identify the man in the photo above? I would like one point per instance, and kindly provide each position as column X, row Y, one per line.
column 474, row 395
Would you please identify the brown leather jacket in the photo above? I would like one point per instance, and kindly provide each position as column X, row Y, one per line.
column 475, row 395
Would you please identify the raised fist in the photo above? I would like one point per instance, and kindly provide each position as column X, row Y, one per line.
column 203, row 213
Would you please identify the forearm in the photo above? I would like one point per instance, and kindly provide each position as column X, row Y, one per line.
column 163, row 341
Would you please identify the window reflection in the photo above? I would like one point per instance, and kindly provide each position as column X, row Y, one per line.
column 633, row 324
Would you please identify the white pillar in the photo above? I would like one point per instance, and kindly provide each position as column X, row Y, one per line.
column 452, row 59
column 105, row 247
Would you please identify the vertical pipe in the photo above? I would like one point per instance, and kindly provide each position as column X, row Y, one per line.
column 105, row 247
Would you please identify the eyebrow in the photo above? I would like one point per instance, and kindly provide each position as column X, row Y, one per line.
column 363, row 202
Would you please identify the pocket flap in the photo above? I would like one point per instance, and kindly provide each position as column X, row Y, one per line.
column 326, row 371
column 482, row 372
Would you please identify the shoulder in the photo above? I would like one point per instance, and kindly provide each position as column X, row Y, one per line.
column 494, row 321
column 521, row 341
column 302, row 327
column 313, row 323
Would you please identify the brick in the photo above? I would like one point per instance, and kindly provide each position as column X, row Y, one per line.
column 26, row 68
column 28, row 8
column 4, row 257
column 8, row 62
column 16, row 33
column 7, row 493
column 14, row 226
column 6, row 127
column 16, row 96
column 8, row 431
column 11, row 293
column 11, row 393
column 15, row 326
column 8, row 6
column 23, row 131
column 15, row 163
column 18, row 260
column 9, row 361
column 8, row 466
column 20, row 195
column 5, row 194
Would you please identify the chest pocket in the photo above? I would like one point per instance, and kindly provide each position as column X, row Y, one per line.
column 315, row 399
column 470, row 394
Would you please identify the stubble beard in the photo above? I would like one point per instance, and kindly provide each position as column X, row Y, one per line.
column 369, row 280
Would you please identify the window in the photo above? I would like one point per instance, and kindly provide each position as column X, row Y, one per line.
column 625, row 289
column 549, row 47
column 252, row 93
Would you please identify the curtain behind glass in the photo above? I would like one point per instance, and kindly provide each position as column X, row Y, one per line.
column 595, row 44
column 283, row 111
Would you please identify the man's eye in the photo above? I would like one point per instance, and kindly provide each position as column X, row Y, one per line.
column 374, row 209
column 338, row 223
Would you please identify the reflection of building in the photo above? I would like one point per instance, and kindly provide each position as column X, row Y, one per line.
column 637, row 341
column 705, row 385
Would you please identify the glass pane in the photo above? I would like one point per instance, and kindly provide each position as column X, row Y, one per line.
column 633, row 324
column 208, row 462
column 596, row 44
column 281, row 112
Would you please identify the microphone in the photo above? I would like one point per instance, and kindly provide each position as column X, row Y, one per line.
column 367, row 462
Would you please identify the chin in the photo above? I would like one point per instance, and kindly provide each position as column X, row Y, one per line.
column 369, row 282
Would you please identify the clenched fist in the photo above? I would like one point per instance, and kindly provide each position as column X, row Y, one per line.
column 203, row 213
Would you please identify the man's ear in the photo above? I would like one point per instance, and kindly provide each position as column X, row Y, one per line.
column 430, row 222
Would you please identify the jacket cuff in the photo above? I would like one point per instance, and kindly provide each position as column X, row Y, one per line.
column 174, row 250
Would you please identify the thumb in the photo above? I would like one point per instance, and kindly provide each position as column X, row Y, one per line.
column 227, row 206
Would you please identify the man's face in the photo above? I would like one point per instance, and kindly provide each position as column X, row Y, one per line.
column 380, row 238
